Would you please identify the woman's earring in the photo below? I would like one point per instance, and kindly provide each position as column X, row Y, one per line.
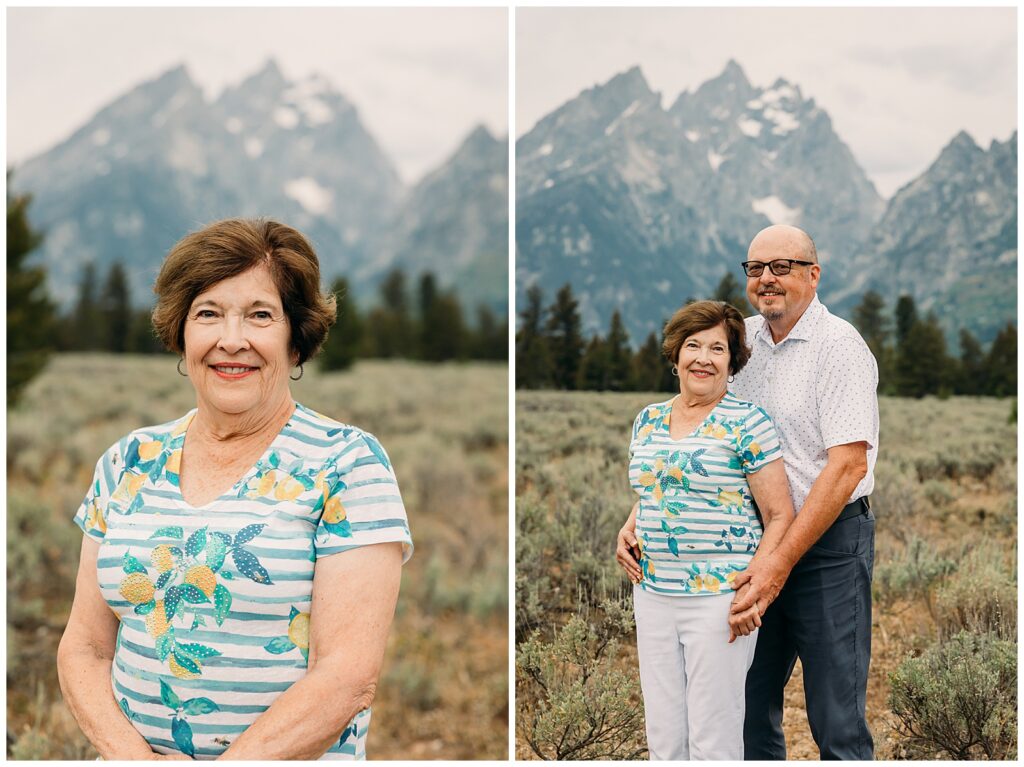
column 675, row 371
column 730, row 379
column 180, row 360
column 296, row 378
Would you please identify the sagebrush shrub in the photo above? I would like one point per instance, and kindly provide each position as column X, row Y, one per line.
column 981, row 597
column 959, row 699
column 912, row 574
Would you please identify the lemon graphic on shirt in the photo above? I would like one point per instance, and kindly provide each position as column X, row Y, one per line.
column 267, row 482
column 696, row 583
column 150, row 450
column 288, row 489
column 647, row 478
column 202, row 578
column 298, row 630
column 676, row 473
column 646, row 430
column 712, row 584
column 730, row 498
column 174, row 462
column 156, row 621
column 334, row 511
column 94, row 519
column 129, row 487
column 162, row 558
column 179, row 671
column 136, row 588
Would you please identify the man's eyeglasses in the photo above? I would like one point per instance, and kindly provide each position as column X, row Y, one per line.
column 779, row 266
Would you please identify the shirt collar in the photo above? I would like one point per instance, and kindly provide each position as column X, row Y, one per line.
column 801, row 331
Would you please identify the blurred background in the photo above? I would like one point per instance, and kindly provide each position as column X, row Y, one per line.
column 652, row 145
column 381, row 135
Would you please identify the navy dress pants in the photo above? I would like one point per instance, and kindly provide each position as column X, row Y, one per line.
column 823, row 616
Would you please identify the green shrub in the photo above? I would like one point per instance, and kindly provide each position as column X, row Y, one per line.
column 912, row 574
column 572, row 701
column 959, row 700
column 981, row 597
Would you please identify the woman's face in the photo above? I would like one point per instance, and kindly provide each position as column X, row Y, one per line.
column 237, row 344
column 704, row 363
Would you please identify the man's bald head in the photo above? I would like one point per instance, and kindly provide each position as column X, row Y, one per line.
column 785, row 238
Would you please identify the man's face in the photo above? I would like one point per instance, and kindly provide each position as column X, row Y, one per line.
column 781, row 299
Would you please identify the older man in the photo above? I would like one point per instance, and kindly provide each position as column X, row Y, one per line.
column 815, row 376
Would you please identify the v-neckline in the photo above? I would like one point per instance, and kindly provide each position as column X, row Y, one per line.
column 697, row 428
column 232, row 492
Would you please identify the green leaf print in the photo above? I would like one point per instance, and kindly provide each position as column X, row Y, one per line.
column 197, row 651
column 279, row 645
column 185, row 661
column 292, row 613
column 131, row 565
column 136, row 504
column 249, row 566
column 168, row 532
column 181, row 731
column 221, row 603
column 164, row 645
column 247, row 533
column 124, row 707
column 197, row 706
column 171, row 598
column 226, row 575
column 169, row 697
column 216, row 550
column 162, row 580
column 196, row 542
column 224, row 537
column 274, row 460
column 664, row 526
column 146, row 607
column 193, row 594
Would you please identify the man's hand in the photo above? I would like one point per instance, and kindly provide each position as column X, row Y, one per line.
column 627, row 554
column 742, row 624
column 765, row 578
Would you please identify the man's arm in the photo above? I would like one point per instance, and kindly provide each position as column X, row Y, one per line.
column 847, row 465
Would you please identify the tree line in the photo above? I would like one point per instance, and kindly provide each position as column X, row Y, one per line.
column 911, row 351
column 426, row 322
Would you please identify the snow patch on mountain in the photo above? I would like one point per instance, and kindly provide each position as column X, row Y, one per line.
column 624, row 116
column 286, row 117
column 101, row 137
column 253, row 147
column 749, row 127
column 692, row 136
column 233, row 125
column 309, row 194
column 715, row 159
column 776, row 210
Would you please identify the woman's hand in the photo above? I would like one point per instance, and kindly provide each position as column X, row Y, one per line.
column 627, row 549
column 743, row 623
column 177, row 757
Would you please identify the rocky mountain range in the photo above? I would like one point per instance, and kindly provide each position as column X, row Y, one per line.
column 638, row 206
column 161, row 161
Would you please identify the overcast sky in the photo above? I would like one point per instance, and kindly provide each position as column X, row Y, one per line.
column 421, row 78
column 898, row 83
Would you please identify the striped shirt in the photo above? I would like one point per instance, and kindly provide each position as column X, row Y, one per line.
column 214, row 602
column 696, row 524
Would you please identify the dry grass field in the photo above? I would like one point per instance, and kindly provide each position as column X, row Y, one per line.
column 945, row 563
column 444, row 690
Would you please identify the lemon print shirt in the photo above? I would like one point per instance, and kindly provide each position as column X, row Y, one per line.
column 214, row 602
column 696, row 523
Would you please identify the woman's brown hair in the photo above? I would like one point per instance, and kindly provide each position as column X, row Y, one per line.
column 702, row 315
column 231, row 247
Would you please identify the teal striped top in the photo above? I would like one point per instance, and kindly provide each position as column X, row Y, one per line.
column 214, row 602
column 696, row 523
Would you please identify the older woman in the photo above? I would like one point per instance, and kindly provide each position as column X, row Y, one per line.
column 698, row 461
column 240, row 565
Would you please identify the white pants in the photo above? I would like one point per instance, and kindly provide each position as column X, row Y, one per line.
column 692, row 678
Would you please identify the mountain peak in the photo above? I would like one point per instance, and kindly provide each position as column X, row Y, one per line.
column 479, row 139
column 268, row 77
column 733, row 73
column 631, row 80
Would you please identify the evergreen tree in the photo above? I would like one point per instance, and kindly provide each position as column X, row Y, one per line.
column 874, row 327
column 391, row 331
column 618, row 360
column 142, row 338
column 730, row 291
column 593, row 370
column 1001, row 363
column 973, row 371
column 444, row 330
column 565, row 341
column 341, row 348
column 30, row 317
column 533, row 360
column 490, row 338
column 115, row 311
column 426, row 339
column 906, row 316
column 923, row 366
column 86, row 326
column 649, row 366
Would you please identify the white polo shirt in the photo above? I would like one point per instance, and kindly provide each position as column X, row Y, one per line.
column 819, row 386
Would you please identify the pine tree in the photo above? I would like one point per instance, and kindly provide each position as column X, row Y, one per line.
column 618, row 359
column 341, row 348
column 906, row 316
column 86, row 328
column 533, row 360
column 593, row 371
column 565, row 341
column 489, row 339
column 30, row 314
column 1001, row 363
column 649, row 366
column 115, row 311
column 730, row 291
column 923, row 366
column 874, row 327
column 973, row 371
column 392, row 333
column 142, row 338
column 426, row 340
column 445, row 329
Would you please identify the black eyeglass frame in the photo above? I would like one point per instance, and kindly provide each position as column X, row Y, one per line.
column 747, row 265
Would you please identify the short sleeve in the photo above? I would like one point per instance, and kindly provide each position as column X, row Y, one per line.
column 847, row 394
column 92, row 513
column 363, row 504
column 634, row 433
column 758, row 443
